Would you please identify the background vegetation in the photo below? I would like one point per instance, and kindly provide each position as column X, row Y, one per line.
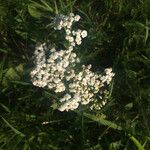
column 118, row 36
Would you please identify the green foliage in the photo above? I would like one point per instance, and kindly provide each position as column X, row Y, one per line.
column 35, row 8
column 13, row 129
column 137, row 143
column 118, row 36
column 102, row 121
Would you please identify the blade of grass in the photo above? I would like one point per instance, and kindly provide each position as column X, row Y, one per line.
column 102, row 121
column 3, row 50
column 13, row 129
column 146, row 31
column 56, row 8
column 50, row 8
column 2, row 68
column 137, row 143
column 5, row 108
column 21, row 83
column 45, row 7
column 9, row 140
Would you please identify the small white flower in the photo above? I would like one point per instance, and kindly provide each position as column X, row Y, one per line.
column 67, row 96
column 68, row 31
column 71, row 19
column 67, row 37
column 73, row 43
column 78, row 42
column 59, row 27
column 77, row 97
column 64, row 24
column 73, row 33
column 84, row 33
column 78, row 60
column 103, row 103
column 78, row 39
column 78, row 32
column 61, row 23
column 60, row 87
column 66, row 63
column 74, row 105
column 57, row 80
column 70, row 48
column 62, row 100
column 108, row 70
column 61, row 53
column 77, row 18
column 62, row 108
column 69, row 24
column 71, row 14
column 71, row 39
column 73, row 55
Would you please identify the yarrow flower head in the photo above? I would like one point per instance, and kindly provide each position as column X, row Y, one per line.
column 56, row 70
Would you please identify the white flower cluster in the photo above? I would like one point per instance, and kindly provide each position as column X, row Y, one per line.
column 52, row 71
column 83, row 88
column 62, row 21
column 55, row 69
column 74, row 37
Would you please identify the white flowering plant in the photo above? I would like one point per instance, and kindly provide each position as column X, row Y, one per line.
column 56, row 69
column 73, row 101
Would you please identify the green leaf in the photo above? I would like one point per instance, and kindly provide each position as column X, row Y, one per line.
column 36, row 10
column 13, row 129
column 7, row 140
column 5, row 108
column 129, row 106
column 137, row 143
column 115, row 145
column 47, row 6
column 2, row 11
column 43, row 7
column 2, row 68
column 3, row 50
column 33, row 11
column 52, row 147
column 19, row 68
column 102, row 121
column 26, row 146
column 12, row 74
column 20, row 83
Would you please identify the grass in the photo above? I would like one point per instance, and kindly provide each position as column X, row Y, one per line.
column 118, row 36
